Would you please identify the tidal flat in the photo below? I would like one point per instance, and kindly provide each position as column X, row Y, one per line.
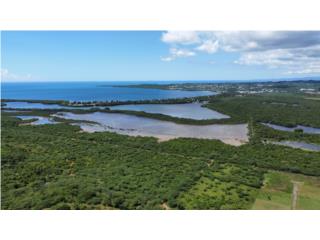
column 187, row 110
column 39, row 120
column 235, row 134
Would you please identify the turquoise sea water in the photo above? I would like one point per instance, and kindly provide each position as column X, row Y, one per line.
column 89, row 91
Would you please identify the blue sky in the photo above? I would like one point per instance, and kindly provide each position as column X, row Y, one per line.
column 157, row 55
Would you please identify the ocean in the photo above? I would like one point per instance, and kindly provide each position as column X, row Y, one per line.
column 90, row 91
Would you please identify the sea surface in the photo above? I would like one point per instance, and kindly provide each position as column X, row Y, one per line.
column 90, row 91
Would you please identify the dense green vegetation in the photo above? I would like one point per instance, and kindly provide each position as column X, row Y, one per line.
column 215, row 194
column 266, row 156
column 266, row 133
column 283, row 109
column 224, row 186
column 60, row 167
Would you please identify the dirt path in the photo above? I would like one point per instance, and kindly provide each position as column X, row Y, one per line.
column 295, row 192
column 165, row 206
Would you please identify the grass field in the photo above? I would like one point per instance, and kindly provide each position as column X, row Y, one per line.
column 276, row 193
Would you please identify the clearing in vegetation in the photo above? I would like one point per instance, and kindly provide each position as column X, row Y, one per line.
column 278, row 187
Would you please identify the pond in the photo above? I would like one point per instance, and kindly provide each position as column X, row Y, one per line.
column 187, row 110
column 305, row 129
column 236, row 134
column 39, row 121
column 300, row 145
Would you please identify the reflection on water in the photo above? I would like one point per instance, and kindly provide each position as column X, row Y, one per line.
column 140, row 126
column 39, row 121
column 187, row 110
column 305, row 129
column 300, row 145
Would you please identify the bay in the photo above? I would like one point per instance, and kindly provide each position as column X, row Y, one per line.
column 89, row 91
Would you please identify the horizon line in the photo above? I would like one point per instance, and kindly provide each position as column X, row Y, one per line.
column 311, row 78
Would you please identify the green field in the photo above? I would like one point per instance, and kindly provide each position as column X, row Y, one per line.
column 277, row 192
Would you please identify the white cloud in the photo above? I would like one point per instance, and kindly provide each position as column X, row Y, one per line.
column 293, row 52
column 177, row 53
column 8, row 76
column 293, row 61
column 264, row 40
column 209, row 46
column 181, row 52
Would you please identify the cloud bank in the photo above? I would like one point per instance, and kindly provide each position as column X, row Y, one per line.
column 294, row 52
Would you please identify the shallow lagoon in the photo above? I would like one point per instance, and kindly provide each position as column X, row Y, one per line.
column 305, row 129
column 236, row 134
column 300, row 145
column 28, row 105
column 39, row 121
column 187, row 110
